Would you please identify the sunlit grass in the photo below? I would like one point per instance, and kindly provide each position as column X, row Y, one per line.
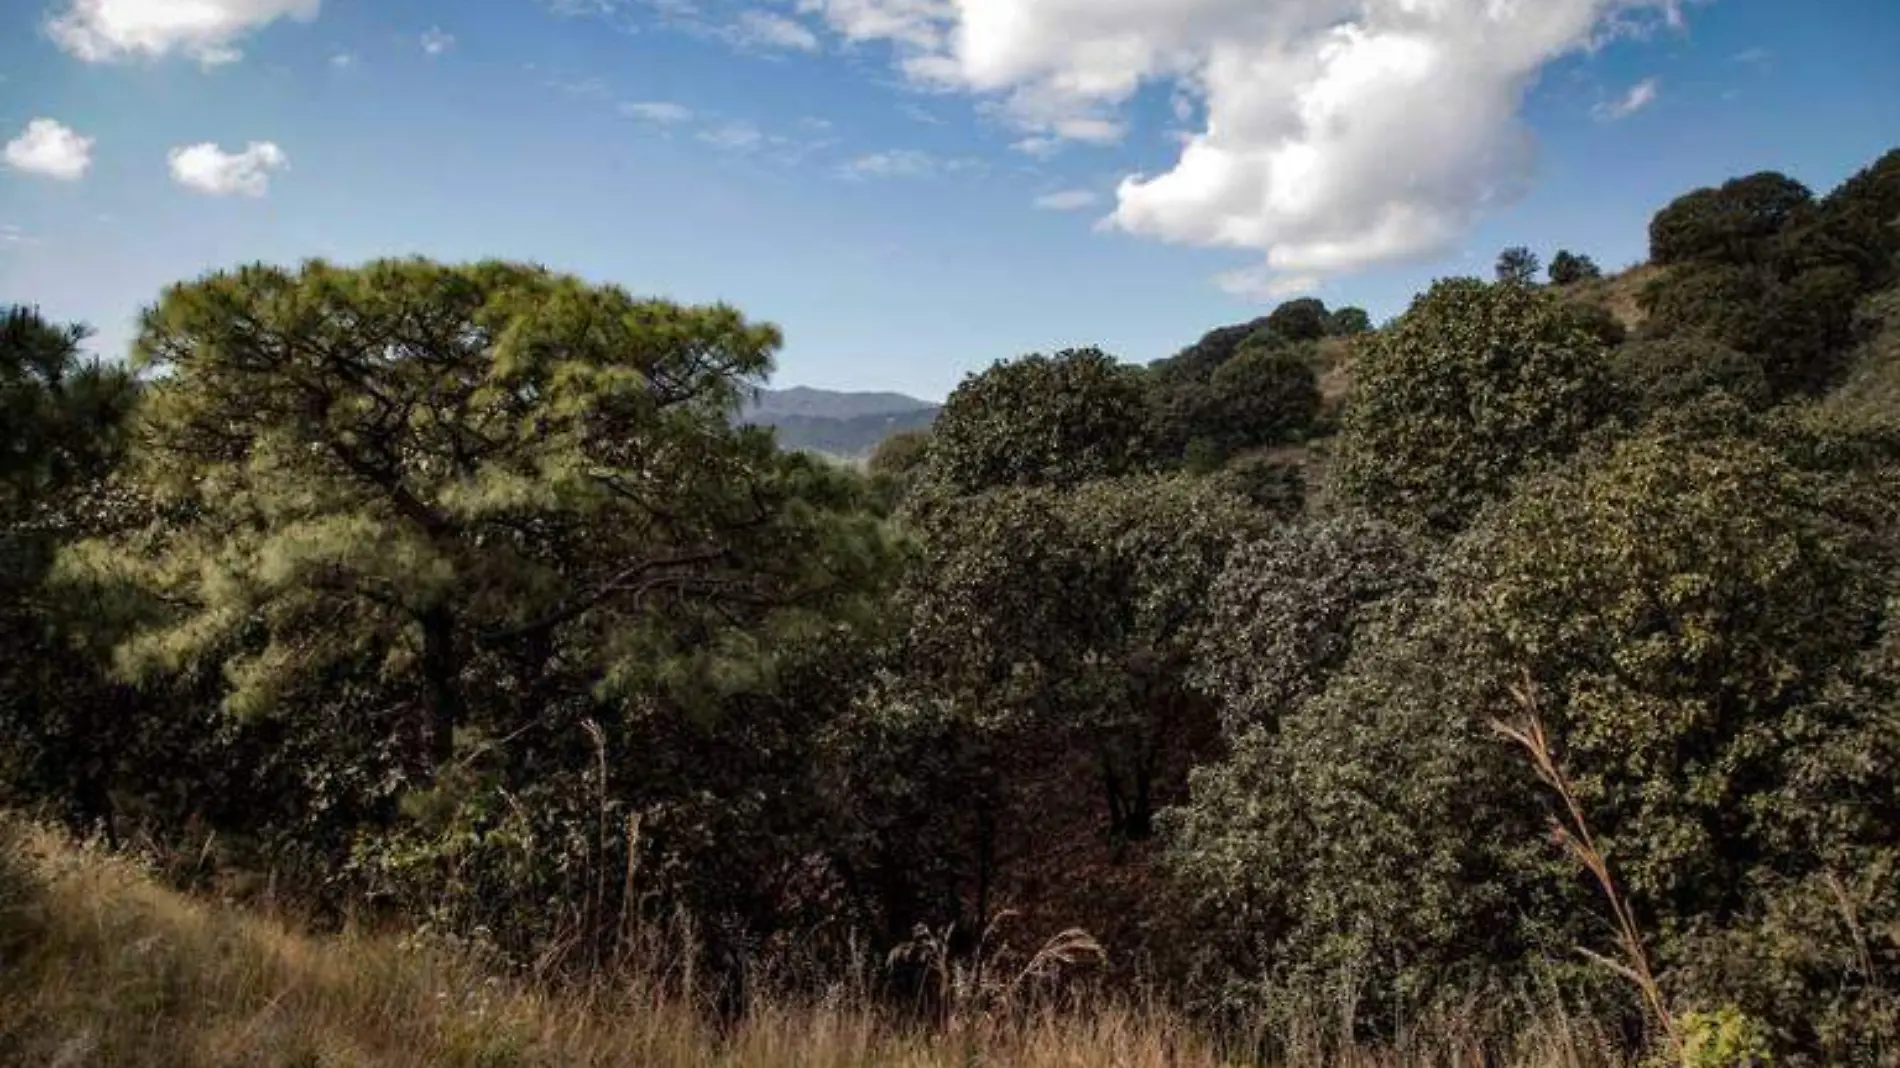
column 100, row 965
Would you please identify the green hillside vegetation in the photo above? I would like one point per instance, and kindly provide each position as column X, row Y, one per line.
column 425, row 663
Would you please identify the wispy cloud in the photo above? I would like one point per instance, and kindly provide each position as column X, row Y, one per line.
column 1639, row 96
column 770, row 31
column 582, row 88
column 1265, row 283
column 918, row 114
column 343, row 61
column 436, row 41
column 897, row 163
column 11, row 235
column 905, row 163
column 735, row 136
column 1067, row 200
column 1039, row 147
column 658, row 112
column 1752, row 56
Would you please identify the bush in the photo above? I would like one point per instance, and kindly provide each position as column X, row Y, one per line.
column 1285, row 611
column 1260, row 397
column 1734, row 224
column 1473, row 386
column 1658, row 376
column 1042, row 420
column 1568, row 268
column 1275, row 484
column 1379, row 849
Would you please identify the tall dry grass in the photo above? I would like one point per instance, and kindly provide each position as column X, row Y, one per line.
column 100, row 965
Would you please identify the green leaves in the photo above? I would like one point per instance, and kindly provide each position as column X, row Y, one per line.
column 1040, row 421
column 1473, row 386
column 477, row 486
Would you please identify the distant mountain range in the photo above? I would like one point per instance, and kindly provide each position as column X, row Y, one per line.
column 847, row 425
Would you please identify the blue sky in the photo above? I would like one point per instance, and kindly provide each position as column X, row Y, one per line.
column 866, row 173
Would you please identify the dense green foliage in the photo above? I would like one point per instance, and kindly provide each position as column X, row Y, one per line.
column 1078, row 614
column 457, row 594
column 1519, row 265
column 1473, row 386
column 1042, row 420
column 1245, row 386
column 1568, row 268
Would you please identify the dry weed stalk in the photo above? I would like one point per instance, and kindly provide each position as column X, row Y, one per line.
column 970, row 987
column 1575, row 838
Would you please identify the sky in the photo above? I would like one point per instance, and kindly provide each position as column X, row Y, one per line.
column 910, row 189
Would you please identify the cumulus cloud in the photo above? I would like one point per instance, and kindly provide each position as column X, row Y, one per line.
column 100, row 31
column 766, row 29
column 436, row 41
column 50, row 149
column 660, row 112
column 1640, row 96
column 1067, row 200
column 1332, row 134
column 208, row 169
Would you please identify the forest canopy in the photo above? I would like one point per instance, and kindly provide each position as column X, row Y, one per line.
column 457, row 597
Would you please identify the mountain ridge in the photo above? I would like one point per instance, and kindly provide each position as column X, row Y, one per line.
column 842, row 423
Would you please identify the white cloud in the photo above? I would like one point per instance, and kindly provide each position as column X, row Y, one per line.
column 208, row 169
column 1039, row 147
column 582, row 88
column 50, row 149
column 661, row 112
column 897, row 163
column 915, row 23
column 436, row 41
column 11, row 235
column 343, row 61
column 1264, row 283
column 100, row 31
column 1752, row 55
column 579, row 8
column 738, row 136
column 1067, row 200
column 1332, row 134
column 1640, row 96
column 766, row 29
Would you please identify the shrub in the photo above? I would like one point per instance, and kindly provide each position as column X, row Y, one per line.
column 1473, row 386
column 1285, row 611
column 1733, row 224
column 1042, row 420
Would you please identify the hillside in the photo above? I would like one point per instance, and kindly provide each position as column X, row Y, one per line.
column 842, row 424
column 100, row 964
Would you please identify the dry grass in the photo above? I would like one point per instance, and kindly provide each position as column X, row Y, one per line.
column 1572, row 833
column 99, row 965
column 1618, row 293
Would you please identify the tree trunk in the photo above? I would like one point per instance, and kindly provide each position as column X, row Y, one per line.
column 443, row 699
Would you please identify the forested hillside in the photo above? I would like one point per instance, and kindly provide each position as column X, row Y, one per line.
column 1517, row 681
